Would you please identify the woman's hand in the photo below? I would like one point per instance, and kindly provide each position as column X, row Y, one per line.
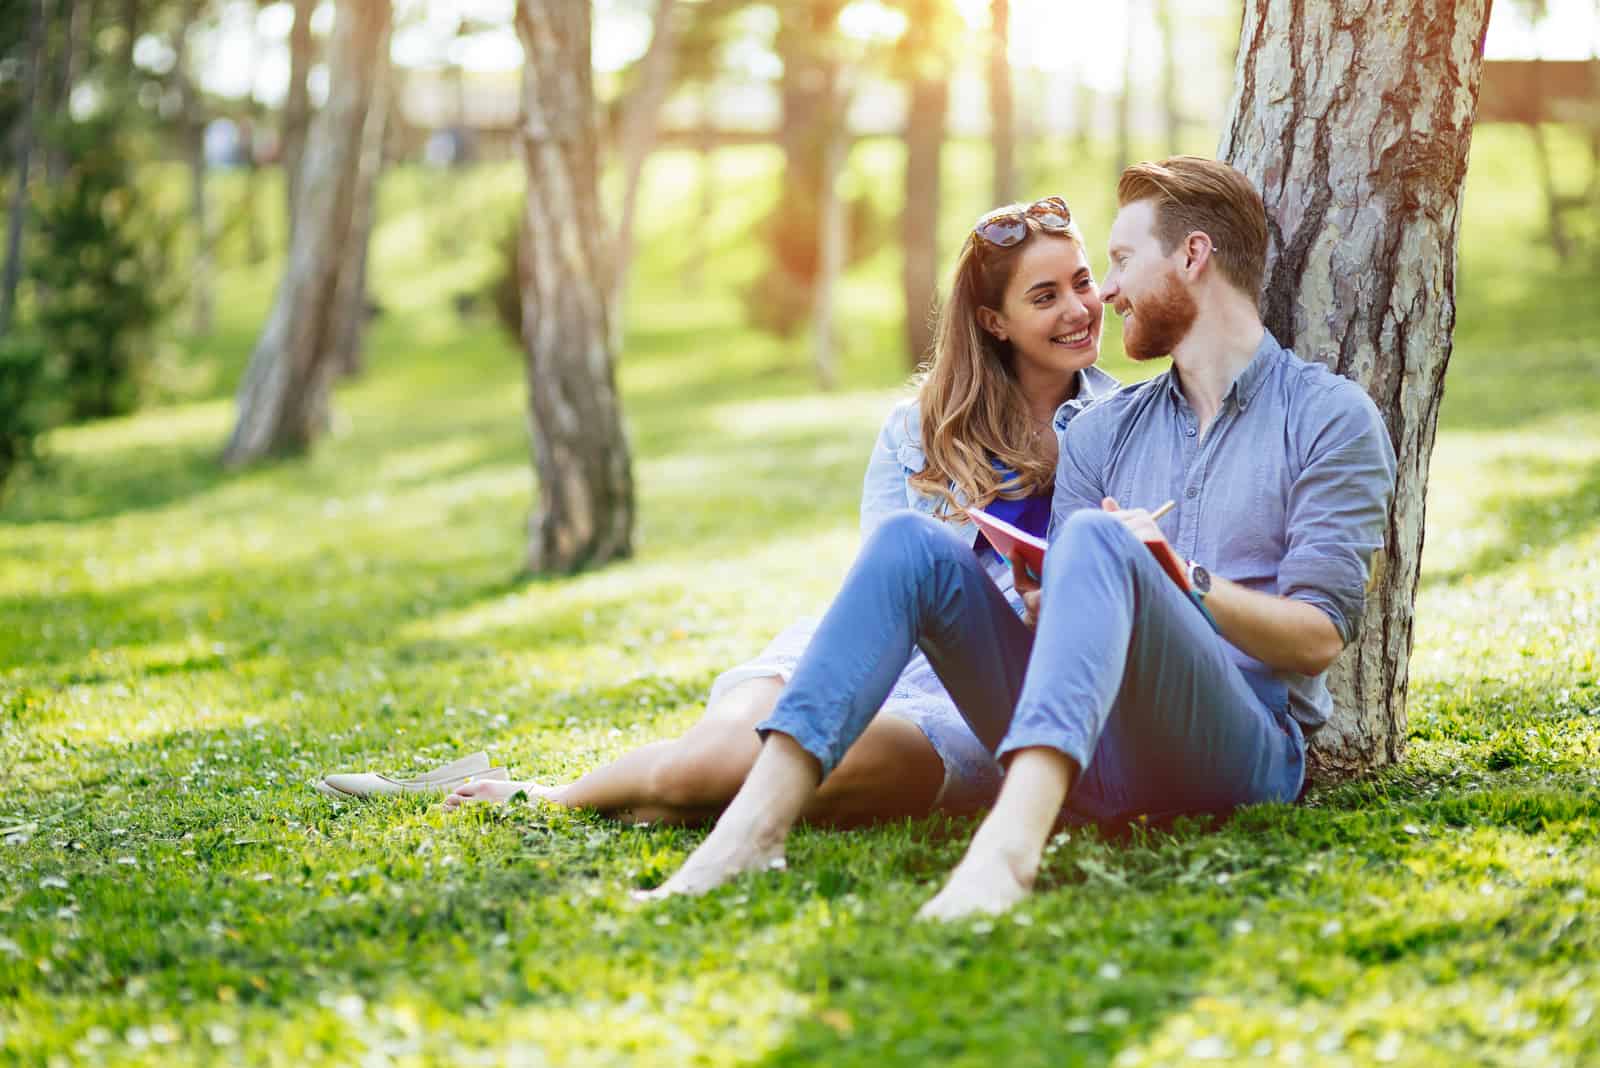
column 1028, row 586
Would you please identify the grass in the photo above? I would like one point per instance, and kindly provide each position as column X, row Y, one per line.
column 182, row 651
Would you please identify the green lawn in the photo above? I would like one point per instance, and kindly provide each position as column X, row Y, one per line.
column 182, row 652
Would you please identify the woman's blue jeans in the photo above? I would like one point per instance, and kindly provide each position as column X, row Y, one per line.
column 1123, row 674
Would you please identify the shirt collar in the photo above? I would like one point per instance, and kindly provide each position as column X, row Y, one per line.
column 1248, row 382
column 1093, row 384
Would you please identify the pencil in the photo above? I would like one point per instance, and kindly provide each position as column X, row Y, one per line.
column 1163, row 510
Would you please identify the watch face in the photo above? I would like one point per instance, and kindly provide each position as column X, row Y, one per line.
column 1199, row 578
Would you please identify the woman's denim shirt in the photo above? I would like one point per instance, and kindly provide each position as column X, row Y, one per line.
column 898, row 455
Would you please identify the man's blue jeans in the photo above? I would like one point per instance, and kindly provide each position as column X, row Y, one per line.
column 1124, row 675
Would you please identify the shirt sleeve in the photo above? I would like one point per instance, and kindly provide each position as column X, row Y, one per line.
column 883, row 489
column 1079, row 471
column 1339, row 507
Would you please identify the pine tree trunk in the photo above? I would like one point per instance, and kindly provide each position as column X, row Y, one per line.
column 586, row 506
column 1002, row 110
column 297, row 104
column 283, row 403
column 1171, row 110
column 11, row 273
column 1354, row 119
column 192, row 123
column 832, row 236
column 352, row 297
column 919, row 221
column 639, row 137
column 811, row 116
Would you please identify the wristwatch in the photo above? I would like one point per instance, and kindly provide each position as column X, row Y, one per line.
column 1199, row 580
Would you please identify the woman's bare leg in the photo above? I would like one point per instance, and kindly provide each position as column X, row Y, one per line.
column 892, row 772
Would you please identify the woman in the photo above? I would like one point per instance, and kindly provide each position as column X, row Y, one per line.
column 1013, row 361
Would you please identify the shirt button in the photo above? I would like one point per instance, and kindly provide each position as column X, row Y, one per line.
column 1190, row 431
column 1191, row 493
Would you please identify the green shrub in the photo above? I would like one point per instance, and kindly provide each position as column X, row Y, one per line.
column 100, row 266
column 26, row 408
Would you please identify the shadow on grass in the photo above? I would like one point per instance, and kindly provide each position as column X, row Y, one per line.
column 1532, row 522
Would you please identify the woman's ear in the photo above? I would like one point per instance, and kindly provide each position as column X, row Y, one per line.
column 990, row 320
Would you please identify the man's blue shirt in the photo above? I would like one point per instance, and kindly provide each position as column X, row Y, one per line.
column 1287, row 493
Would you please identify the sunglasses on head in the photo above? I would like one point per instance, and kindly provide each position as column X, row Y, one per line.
column 1007, row 226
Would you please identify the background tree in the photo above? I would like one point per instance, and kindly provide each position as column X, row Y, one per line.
column 192, row 135
column 922, row 57
column 296, row 117
column 283, row 402
column 639, row 120
column 1002, row 110
column 1354, row 119
column 585, row 512
column 16, row 215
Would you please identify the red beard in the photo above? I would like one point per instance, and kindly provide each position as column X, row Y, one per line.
column 1160, row 322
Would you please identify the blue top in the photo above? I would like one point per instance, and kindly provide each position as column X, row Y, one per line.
column 1026, row 513
column 1288, row 492
column 898, row 455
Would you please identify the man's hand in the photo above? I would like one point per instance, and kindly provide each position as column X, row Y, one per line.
column 1140, row 523
column 1028, row 586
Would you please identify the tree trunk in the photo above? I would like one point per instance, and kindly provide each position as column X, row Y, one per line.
column 132, row 19
column 706, row 202
column 786, row 297
column 831, row 238
column 75, row 46
column 1171, row 110
column 297, row 104
column 11, row 275
column 1002, row 112
column 919, row 221
column 585, row 511
column 1554, row 214
column 283, row 403
column 639, row 137
column 1354, row 119
column 352, row 298
column 1125, row 98
column 192, row 124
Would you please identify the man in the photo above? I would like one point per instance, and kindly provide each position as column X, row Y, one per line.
column 1131, row 694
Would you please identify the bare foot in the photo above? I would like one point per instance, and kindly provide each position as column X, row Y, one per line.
column 727, row 853
column 981, row 885
column 493, row 792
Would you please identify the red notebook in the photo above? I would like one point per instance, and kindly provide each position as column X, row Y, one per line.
column 1010, row 541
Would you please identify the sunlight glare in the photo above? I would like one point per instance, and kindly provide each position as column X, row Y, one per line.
column 870, row 20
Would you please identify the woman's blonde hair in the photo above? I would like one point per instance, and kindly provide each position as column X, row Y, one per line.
column 973, row 408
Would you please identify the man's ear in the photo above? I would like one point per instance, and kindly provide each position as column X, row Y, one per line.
column 989, row 319
column 1197, row 250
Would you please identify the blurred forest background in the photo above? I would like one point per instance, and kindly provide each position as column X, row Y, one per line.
column 268, row 509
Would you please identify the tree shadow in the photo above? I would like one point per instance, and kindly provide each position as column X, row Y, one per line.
column 1530, row 522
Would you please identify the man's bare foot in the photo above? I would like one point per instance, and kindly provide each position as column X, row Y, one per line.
column 728, row 852
column 494, row 792
column 986, row 885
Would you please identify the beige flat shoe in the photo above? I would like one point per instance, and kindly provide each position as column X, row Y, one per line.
column 371, row 784
column 439, row 780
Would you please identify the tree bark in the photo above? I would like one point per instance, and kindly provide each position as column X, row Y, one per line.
column 585, row 478
column 283, row 403
column 639, row 137
column 297, row 104
column 832, row 235
column 352, row 297
column 1002, row 110
column 787, row 296
column 11, row 274
column 192, row 124
column 919, row 220
column 1354, row 118
column 1171, row 110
